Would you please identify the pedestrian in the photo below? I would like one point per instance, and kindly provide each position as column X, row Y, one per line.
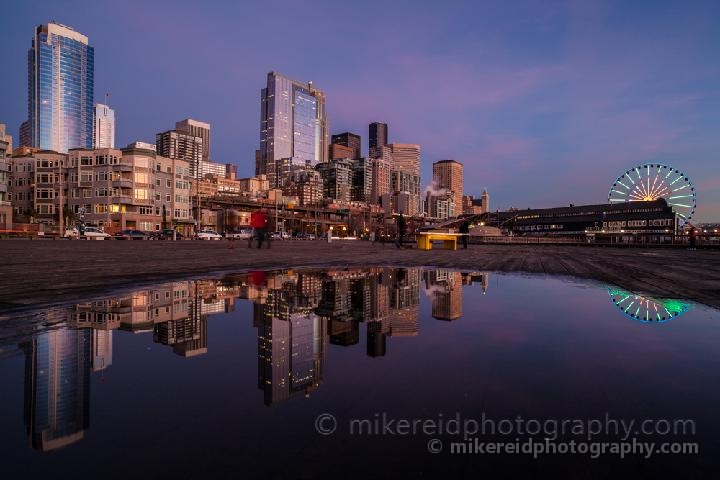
column 400, row 230
column 258, row 220
column 372, row 237
column 693, row 239
column 465, row 231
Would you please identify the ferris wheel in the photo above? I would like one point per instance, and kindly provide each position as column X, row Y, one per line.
column 652, row 181
column 646, row 309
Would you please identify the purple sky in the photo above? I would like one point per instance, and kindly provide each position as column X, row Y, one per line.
column 545, row 103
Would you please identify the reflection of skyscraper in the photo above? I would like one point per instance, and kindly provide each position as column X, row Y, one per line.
column 483, row 278
column 57, row 388
column 445, row 286
column 292, row 342
column 102, row 349
column 404, row 302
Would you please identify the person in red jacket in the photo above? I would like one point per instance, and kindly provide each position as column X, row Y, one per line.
column 258, row 220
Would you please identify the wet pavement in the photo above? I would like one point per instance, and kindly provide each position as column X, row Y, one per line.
column 42, row 272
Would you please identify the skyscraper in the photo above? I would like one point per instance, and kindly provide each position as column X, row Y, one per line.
column 103, row 127
column 185, row 146
column 404, row 160
column 61, row 66
column 196, row 129
column 293, row 128
column 378, row 138
column 349, row 140
column 448, row 176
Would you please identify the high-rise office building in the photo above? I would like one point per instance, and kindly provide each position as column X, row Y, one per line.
column 103, row 127
column 404, row 160
column 25, row 140
column 185, row 146
column 349, row 140
column 61, row 66
column 293, row 128
column 448, row 176
column 378, row 138
column 196, row 129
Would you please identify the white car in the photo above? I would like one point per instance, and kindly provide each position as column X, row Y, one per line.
column 71, row 233
column 244, row 234
column 94, row 233
column 209, row 235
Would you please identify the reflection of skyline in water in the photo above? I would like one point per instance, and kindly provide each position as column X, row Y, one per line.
column 297, row 314
column 646, row 309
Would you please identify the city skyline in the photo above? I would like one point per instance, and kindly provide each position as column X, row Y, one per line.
column 573, row 95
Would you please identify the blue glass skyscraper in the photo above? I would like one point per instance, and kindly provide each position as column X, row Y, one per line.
column 61, row 69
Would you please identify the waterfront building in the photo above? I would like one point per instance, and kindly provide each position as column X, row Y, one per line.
column 476, row 206
column 378, row 138
column 61, row 65
column 293, row 128
column 110, row 188
column 350, row 140
column 196, row 128
column 362, row 180
column 648, row 217
column 337, row 179
column 5, row 203
column 448, row 175
column 103, row 127
column 404, row 160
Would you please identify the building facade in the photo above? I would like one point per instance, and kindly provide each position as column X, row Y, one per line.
column 113, row 189
column 293, row 128
column 448, row 175
column 350, row 140
column 196, row 128
column 183, row 146
column 5, row 204
column 103, row 127
column 337, row 178
column 61, row 66
column 378, row 138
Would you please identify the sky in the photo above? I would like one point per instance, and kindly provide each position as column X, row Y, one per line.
column 545, row 103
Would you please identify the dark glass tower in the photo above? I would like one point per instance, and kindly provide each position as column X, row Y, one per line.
column 61, row 66
column 349, row 140
column 378, row 138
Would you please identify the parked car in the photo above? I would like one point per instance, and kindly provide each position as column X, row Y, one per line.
column 275, row 236
column 131, row 235
column 244, row 234
column 209, row 235
column 167, row 234
column 95, row 233
column 72, row 233
column 306, row 236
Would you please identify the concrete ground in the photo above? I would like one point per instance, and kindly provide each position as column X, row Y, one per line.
column 37, row 272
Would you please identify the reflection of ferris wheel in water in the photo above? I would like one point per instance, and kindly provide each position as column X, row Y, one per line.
column 646, row 309
column 653, row 181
